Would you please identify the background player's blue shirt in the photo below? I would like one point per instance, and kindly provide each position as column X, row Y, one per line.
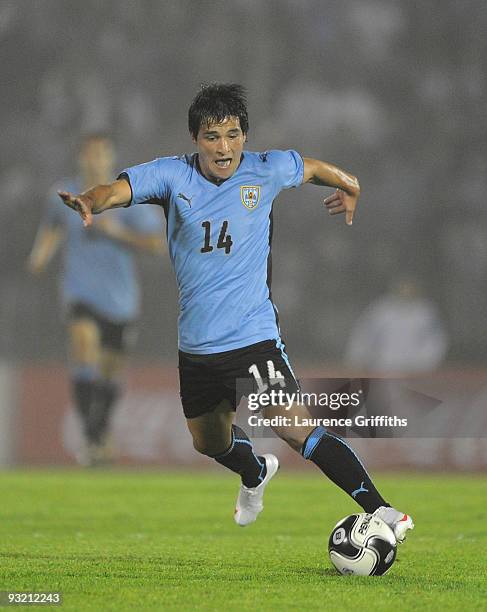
column 219, row 242
column 99, row 271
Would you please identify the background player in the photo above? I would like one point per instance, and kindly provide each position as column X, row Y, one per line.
column 99, row 288
column 218, row 204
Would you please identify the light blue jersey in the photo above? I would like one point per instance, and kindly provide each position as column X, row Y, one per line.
column 98, row 271
column 219, row 239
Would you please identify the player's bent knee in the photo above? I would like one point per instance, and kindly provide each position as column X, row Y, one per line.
column 210, row 443
column 84, row 341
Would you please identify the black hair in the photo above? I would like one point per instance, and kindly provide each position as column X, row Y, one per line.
column 214, row 103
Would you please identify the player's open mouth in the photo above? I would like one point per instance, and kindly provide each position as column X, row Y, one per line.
column 223, row 163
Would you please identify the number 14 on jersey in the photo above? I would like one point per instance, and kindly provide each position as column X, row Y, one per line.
column 224, row 239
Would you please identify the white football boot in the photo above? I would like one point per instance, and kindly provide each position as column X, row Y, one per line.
column 249, row 500
column 399, row 522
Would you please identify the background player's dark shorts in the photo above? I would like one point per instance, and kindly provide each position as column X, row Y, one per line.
column 116, row 336
column 206, row 380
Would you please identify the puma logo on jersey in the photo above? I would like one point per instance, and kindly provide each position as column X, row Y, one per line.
column 185, row 198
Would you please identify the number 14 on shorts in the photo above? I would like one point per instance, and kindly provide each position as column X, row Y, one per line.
column 274, row 377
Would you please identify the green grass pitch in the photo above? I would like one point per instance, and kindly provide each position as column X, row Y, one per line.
column 142, row 540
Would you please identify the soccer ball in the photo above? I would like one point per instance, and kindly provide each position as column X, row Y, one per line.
column 363, row 545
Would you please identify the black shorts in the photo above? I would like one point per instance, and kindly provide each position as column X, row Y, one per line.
column 114, row 336
column 206, row 380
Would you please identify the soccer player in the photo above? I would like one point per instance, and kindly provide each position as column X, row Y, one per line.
column 99, row 289
column 218, row 205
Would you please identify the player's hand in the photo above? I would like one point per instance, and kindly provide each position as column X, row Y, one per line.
column 79, row 203
column 342, row 202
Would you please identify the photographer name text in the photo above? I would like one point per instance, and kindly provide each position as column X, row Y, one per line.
column 297, row 421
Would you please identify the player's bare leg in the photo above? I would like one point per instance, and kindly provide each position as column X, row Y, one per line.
column 215, row 435
column 337, row 460
column 212, row 431
column 293, row 435
column 84, row 339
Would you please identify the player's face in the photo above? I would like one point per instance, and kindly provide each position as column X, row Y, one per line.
column 220, row 147
column 97, row 157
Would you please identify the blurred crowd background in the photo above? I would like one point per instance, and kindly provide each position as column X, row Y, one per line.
column 394, row 91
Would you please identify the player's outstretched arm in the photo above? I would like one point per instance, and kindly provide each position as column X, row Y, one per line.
column 344, row 200
column 98, row 199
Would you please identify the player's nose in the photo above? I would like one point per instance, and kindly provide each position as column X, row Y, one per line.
column 224, row 146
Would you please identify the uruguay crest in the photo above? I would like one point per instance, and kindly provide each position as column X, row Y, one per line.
column 250, row 196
